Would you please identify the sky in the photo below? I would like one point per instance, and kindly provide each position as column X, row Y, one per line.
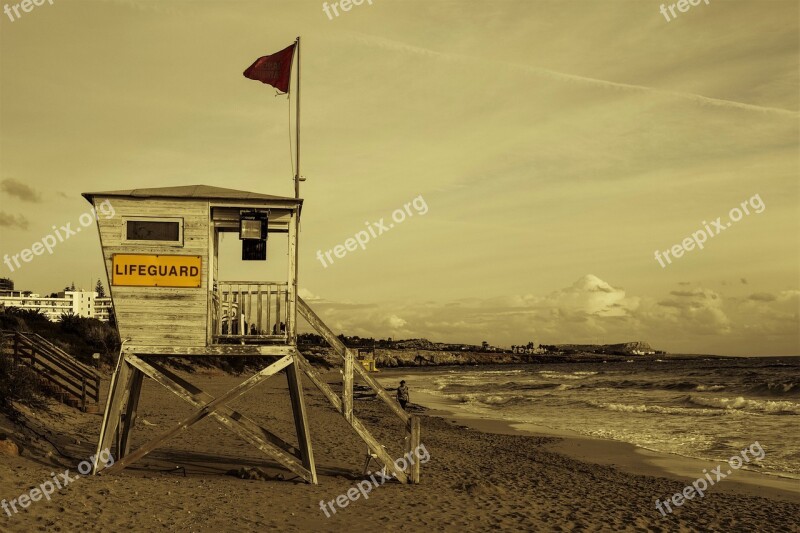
column 556, row 146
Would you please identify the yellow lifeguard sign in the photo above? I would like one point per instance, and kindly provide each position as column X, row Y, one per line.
column 140, row 270
column 161, row 252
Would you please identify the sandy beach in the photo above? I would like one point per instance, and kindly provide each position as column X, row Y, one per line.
column 477, row 478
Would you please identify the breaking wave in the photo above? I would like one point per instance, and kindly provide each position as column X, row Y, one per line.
column 743, row 404
column 552, row 374
column 659, row 409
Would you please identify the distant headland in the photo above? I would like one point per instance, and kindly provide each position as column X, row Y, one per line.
column 422, row 352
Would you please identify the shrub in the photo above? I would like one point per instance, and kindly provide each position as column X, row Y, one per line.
column 18, row 383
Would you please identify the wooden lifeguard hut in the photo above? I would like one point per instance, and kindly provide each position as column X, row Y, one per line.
column 161, row 252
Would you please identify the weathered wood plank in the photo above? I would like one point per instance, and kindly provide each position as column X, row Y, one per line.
column 347, row 384
column 267, row 350
column 167, row 340
column 293, row 376
column 132, row 406
column 414, row 441
column 211, row 275
column 116, row 394
column 291, row 298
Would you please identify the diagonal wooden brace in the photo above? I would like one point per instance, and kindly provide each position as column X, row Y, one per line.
column 209, row 405
column 206, row 410
column 203, row 397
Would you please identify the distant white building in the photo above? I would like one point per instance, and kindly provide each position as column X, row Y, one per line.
column 102, row 308
column 78, row 302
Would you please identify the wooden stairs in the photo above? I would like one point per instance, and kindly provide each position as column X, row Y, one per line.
column 59, row 375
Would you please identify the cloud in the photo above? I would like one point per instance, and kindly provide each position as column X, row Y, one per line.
column 699, row 311
column 395, row 322
column 567, row 313
column 696, row 292
column 19, row 190
column 698, row 320
column 591, row 296
column 13, row 221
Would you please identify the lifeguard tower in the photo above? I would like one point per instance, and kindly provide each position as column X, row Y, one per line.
column 161, row 252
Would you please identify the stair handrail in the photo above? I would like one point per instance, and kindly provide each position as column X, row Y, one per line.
column 58, row 358
column 83, row 366
column 61, row 368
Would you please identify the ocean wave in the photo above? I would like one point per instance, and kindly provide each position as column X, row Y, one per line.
column 492, row 400
column 743, row 404
column 659, row 409
column 777, row 389
column 709, row 388
column 657, row 385
column 501, row 400
column 552, row 374
column 773, row 388
column 477, row 388
column 565, row 386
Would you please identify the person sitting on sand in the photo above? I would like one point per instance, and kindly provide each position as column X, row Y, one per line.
column 402, row 394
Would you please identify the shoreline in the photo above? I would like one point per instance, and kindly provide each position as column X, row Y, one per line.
column 624, row 456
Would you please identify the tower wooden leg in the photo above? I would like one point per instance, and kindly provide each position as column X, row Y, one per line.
column 293, row 375
column 129, row 415
column 117, row 392
column 413, row 444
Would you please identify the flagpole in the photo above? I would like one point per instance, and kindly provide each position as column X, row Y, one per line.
column 297, row 127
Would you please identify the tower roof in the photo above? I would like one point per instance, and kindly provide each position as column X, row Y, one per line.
column 192, row 191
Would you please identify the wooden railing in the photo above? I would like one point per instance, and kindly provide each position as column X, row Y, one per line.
column 250, row 312
column 344, row 404
column 67, row 376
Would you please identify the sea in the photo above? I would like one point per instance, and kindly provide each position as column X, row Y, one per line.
column 701, row 407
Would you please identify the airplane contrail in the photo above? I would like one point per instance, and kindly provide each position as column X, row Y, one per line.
column 718, row 102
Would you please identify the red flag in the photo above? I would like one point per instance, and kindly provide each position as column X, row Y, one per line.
column 275, row 69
